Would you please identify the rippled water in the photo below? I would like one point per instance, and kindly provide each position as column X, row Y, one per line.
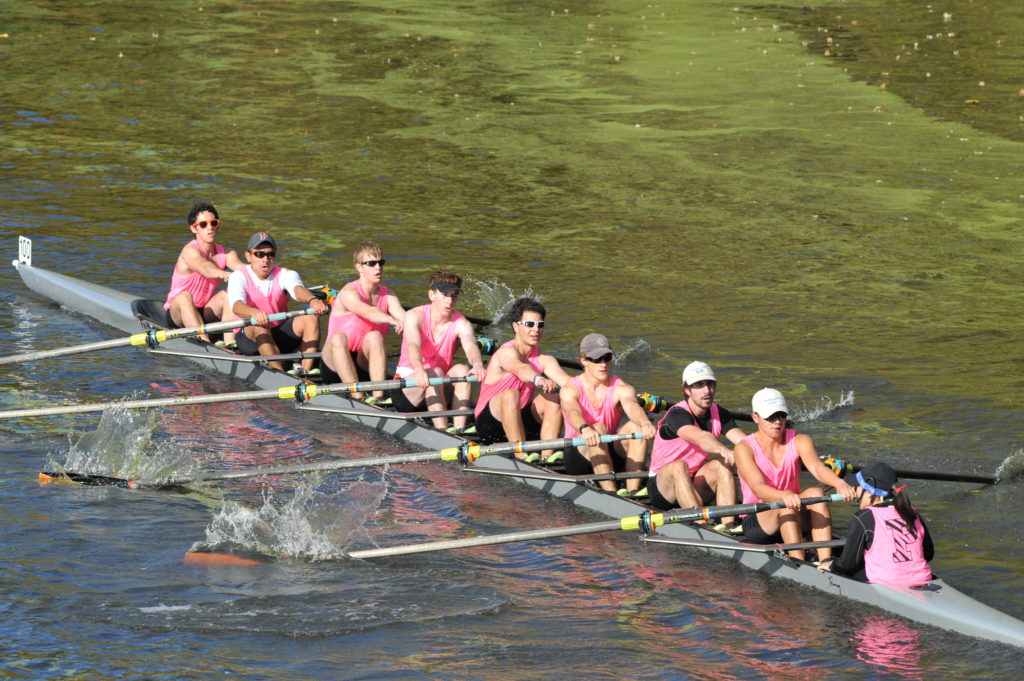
column 823, row 199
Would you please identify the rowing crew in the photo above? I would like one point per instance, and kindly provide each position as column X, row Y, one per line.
column 525, row 394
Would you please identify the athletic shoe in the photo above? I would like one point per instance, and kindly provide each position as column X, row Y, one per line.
column 556, row 457
column 641, row 493
column 531, row 457
column 372, row 401
column 468, row 430
column 623, row 492
column 451, row 430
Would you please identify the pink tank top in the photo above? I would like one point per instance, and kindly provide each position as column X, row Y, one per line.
column 895, row 558
column 352, row 325
column 433, row 354
column 785, row 477
column 276, row 301
column 665, row 451
column 489, row 390
column 607, row 414
column 199, row 286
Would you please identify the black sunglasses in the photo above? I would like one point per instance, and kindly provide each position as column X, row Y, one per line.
column 373, row 263
column 603, row 359
column 213, row 223
column 264, row 254
column 530, row 324
column 777, row 416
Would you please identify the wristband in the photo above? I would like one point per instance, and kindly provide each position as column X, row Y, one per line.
column 537, row 377
column 582, row 426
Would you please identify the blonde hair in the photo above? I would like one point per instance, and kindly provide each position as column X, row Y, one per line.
column 369, row 248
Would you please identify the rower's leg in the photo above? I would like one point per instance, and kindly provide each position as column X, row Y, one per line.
column 218, row 309
column 548, row 409
column 721, row 481
column 601, row 460
column 820, row 518
column 675, row 484
column 461, row 394
column 635, row 452
column 437, row 398
column 505, row 409
column 376, row 357
column 308, row 329
column 337, row 358
column 264, row 341
column 184, row 313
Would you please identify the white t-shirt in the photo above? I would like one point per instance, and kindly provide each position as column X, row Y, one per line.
column 289, row 279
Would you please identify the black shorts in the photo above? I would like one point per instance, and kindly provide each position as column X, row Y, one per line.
column 577, row 463
column 330, row 376
column 284, row 337
column 655, row 498
column 489, row 429
column 753, row 534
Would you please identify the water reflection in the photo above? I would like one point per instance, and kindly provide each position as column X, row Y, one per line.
column 890, row 645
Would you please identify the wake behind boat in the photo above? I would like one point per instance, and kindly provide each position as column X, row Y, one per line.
column 936, row 603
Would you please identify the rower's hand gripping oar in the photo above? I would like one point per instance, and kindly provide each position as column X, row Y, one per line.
column 151, row 338
column 463, row 454
column 300, row 393
column 646, row 522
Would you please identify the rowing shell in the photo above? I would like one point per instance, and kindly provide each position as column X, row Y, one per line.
column 936, row 603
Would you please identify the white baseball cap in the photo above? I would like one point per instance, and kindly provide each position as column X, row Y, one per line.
column 768, row 401
column 697, row 371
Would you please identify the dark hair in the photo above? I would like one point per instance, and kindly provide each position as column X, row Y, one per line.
column 446, row 276
column 201, row 208
column 901, row 501
column 523, row 305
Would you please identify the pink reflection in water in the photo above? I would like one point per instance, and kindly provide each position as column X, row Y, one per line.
column 888, row 643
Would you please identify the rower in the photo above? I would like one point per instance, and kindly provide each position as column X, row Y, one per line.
column 508, row 410
column 768, row 461
column 593, row 405
column 262, row 288
column 888, row 542
column 360, row 317
column 201, row 266
column 690, row 466
column 429, row 336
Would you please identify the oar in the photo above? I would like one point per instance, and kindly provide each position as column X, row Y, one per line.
column 300, row 393
column 152, row 338
column 840, row 467
column 646, row 523
column 464, row 454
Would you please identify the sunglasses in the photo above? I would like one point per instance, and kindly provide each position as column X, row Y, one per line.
column 603, row 359
column 777, row 416
column 215, row 223
column 264, row 254
column 373, row 263
column 530, row 324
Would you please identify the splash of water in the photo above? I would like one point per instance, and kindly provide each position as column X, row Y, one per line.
column 822, row 407
column 310, row 526
column 497, row 297
column 1012, row 467
column 639, row 347
column 123, row 446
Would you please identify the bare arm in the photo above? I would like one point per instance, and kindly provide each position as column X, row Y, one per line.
column 468, row 338
column 625, row 394
column 706, row 441
column 822, row 473
column 351, row 302
column 195, row 262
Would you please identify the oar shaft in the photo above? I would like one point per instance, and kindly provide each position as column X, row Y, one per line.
column 297, row 392
column 970, row 478
column 151, row 338
column 471, row 452
column 653, row 520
